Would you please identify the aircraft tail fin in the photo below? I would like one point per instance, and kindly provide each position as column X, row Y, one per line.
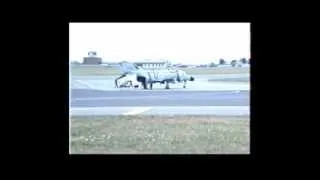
column 127, row 67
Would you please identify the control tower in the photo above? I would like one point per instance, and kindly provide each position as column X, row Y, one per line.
column 92, row 58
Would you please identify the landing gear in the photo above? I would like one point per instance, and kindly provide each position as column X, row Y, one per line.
column 167, row 85
column 178, row 76
column 151, row 86
column 184, row 84
column 143, row 81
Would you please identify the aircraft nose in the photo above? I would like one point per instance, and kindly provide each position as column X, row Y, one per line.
column 191, row 78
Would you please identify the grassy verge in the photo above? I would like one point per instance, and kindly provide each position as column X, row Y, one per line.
column 160, row 134
column 107, row 71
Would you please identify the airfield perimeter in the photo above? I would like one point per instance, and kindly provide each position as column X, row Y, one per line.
column 215, row 94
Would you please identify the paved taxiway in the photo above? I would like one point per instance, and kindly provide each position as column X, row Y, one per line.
column 86, row 102
column 97, row 96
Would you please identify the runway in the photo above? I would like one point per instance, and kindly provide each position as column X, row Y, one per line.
column 97, row 96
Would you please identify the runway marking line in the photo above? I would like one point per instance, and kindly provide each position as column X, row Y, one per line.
column 137, row 110
column 84, row 83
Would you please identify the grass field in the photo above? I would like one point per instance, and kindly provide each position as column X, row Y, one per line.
column 107, row 71
column 160, row 135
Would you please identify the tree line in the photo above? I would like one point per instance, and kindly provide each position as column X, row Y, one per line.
column 232, row 63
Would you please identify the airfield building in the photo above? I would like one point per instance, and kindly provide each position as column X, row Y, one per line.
column 92, row 59
column 153, row 64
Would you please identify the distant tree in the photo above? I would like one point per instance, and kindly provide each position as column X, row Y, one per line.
column 222, row 61
column 243, row 60
column 212, row 64
column 233, row 63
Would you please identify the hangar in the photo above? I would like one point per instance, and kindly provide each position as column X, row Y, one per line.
column 153, row 64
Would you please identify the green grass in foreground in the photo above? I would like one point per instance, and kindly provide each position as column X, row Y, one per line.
column 107, row 71
column 159, row 134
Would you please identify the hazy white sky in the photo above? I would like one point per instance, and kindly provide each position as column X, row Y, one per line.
column 189, row 43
